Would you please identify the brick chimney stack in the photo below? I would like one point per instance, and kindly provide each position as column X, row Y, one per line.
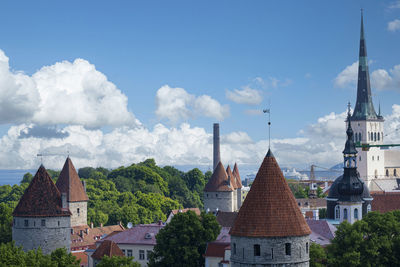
column 217, row 156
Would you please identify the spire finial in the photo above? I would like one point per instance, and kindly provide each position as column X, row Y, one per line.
column 348, row 109
column 268, row 110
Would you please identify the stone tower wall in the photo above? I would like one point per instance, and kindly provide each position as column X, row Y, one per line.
column 224, row 201
column 55, row 234
column 81, row 217
column 272, row 251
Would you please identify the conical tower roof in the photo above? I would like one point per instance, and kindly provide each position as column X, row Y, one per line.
column 237, row 176
column 232, row 177
column 270, row 209
column 69, row 182
column 218, row 181
column 41, row 198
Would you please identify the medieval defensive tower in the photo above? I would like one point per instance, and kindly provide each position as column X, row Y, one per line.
column 42, row 218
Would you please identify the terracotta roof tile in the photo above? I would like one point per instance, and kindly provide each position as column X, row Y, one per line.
column 218, row 181
column 81, row 256
column 385, row 201
column 89, row 235
column 237, row 175
column 108, row 248
column 231, row 176
column 270, row 209
column 216, row 249
column 69, row 182
column 41, row 198
column 195, row 210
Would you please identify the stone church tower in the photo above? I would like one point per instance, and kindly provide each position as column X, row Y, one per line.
column 42, row 218
column 69, row 183
column 270, row 229
column 367, row 125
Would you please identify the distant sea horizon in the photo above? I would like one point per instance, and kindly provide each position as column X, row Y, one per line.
column 13, row 177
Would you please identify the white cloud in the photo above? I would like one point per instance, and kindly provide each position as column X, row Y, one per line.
column 64, row 93
column 384, row 80
column 175, row 104
column 394, row 25
column 348, row 76
column 247, row 96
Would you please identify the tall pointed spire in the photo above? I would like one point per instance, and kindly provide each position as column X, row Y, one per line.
column 364, row 109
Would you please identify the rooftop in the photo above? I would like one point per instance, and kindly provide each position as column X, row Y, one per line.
column 108, row 248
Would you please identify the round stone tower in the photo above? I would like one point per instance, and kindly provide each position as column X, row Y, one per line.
column 270, row 229
column 42, row 218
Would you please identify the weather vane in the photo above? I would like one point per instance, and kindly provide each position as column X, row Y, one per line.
column 268, row 110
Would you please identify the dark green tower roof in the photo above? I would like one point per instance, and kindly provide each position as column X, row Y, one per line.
column 364, row 109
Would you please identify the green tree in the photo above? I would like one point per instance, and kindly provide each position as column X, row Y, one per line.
column 27, row 178
column 116, row 261
column 5, row 223
column 184, row 240
column 322, row 213
column 318, row 256
column 85, row 172
column 63, row 258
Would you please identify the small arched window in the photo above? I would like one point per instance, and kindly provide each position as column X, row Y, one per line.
column 359, row 137
column 376, row 173
column 368, row 136
column 356, row 214
column 368, row 208
column 337, row 212
column 345, row 214
column 374, row 136
column 379, row 136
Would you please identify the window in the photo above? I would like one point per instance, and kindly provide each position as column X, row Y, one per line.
column 360, row 158
column 257, row 250
column 345, row 214
column 359, row 137
column 43, row 223
column 307, row 248
column 58, row 223
column 234, row 248
column 34, row 223
column 373, row 158
column 374, row 136
column 379, row 136
column 378, row 158
column 395, row 172
column 376, row 173
column 148, row 252
column 129, row 253
column 368, row 208
column 356, row 214
column 207, row 195
column 288, row 249
column 272, row 253
column 72, row 231
column 26, row 223
column 387, row 172
column 216, row 195
column 77, row 210
column 123, row 251
column 141, row 254
column 337, row 212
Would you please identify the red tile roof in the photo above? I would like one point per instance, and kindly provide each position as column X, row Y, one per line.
column 69, row 182
column 195, row 210
column 215, row 249
column 108, row 248
column 81, row 256
column 142, row 234
column 218, row 181
column 90, row 236
column 41, row 198
column 270, row 209
column 385, row 201
column 237, row 175
column 231, row 176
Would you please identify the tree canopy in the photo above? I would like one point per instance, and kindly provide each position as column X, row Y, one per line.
column 184, row 240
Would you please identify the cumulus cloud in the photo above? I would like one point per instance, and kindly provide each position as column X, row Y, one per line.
column 394, row 25
column 246, row 95
column 42, row 132
column 64, row 93
column 386, row 80
column 348, row 76
column 175, row 104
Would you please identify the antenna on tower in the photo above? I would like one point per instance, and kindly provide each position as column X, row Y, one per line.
column 268, row 110
column 41, row 158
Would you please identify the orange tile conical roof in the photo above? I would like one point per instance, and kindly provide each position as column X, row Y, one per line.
column 219, row 180
column 270, row 209
column 69, row 182
column 41, row 198
column 237, row 175
column 233, row 178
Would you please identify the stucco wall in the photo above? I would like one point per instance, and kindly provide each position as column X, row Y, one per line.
column 55, row 234
column 221, row 200
column 81, row 217
column 244, row 255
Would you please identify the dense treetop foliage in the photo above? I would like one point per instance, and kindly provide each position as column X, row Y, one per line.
column 10, row 255
column 116, row 261
column 184, row 240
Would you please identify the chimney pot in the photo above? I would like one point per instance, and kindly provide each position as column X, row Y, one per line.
column 91, row 225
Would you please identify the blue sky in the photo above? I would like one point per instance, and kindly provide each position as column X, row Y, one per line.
column 288, row 53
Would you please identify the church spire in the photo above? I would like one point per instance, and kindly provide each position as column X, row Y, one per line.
column 364, row 109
